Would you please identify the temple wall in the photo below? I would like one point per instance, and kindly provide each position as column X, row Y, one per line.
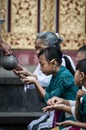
column 26, row 18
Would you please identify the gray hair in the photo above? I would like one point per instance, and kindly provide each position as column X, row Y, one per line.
column 50, row 38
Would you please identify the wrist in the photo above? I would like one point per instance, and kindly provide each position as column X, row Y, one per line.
column 66, row 102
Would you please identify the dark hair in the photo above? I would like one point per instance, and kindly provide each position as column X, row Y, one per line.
column 81, row 66
column 68, row 64
column 82, row 49
column 50, row 39
column 52, row 53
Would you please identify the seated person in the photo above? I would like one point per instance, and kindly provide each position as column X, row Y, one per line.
column 79, row 109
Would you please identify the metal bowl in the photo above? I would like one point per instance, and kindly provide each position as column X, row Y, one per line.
column 8, row 62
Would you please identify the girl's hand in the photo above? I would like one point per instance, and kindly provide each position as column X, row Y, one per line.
column 80, row 93
column 55, row 100
column 53, row 107
column 21, row 70
column 28, row 79
column 65, row 123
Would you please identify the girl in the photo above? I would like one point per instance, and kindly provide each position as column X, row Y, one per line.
column 62, row 81
column 79, row 110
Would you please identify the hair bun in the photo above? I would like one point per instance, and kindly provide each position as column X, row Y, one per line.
column 60, row 39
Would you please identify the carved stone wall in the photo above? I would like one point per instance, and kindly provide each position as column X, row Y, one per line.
column 24, row 22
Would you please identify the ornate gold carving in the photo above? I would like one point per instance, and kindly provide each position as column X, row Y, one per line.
column 72, row 23
column 24, row 22
column 48, row 15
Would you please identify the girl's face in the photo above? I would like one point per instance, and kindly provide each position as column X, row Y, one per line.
column 45, row 66
column 39, row 44
column 77, row 77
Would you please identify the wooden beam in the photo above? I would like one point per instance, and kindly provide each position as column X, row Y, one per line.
column 8, row 15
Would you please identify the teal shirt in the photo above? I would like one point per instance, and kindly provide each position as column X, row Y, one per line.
column 82, row 109
column 62, row 85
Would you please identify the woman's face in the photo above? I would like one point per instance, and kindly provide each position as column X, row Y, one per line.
column 80, row 56
column 39, row 44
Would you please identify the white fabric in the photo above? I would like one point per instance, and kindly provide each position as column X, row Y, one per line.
column 71, row 61
column 47, row 124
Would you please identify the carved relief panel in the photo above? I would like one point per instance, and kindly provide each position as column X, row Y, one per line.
column 72, row 23
column 23, row 24
column 31, row 16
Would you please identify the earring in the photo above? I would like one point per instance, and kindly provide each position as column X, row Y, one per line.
column 81, row 82
column 54, row 69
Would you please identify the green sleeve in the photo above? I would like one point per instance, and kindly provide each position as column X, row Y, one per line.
column 60, row 87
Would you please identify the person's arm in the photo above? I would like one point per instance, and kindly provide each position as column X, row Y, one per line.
column 80, row 93
column 5, row 47
column 72, row 123
column 57, row 100
column 33, row 80
column 20, row 70
column 77, row 115
column 61, row 107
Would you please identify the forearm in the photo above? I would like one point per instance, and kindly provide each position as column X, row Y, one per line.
column 77, row 109
column 66, row 108
column 40, row 89
column 66, row 102
column 79, row 124
column 32, row 74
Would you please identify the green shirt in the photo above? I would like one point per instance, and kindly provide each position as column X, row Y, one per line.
column 82, row 109
column 62, row 85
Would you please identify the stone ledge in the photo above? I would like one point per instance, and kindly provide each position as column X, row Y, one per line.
column 18, row 117
column 8, row 77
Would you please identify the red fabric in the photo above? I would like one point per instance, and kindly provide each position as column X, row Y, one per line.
column 57, row 114
column 74, row 128
column 56, row 117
